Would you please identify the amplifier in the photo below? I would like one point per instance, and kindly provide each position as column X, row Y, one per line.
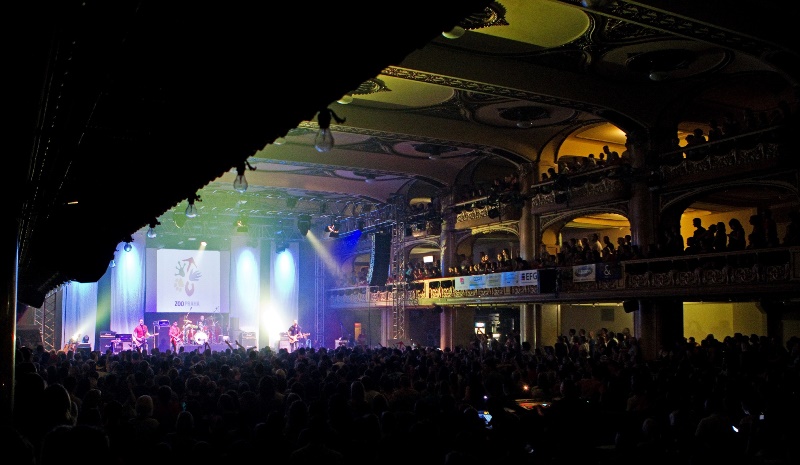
column 108, row 334
column 249, row 339
column 125, row 337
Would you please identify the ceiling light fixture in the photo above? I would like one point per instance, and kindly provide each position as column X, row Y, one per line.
column 240, row 183
column 303, row 224
column 151, row 231
column 128, row 247
column 191, row 210
column 323, row 142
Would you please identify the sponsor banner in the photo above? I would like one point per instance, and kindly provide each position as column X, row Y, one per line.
column 476, row 281
column 584, row 273
column 609, row 271
column 509, row 278
column 528, row 278
column 505, row 279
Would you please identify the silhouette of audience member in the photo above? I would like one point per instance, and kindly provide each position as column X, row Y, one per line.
column 770, row 228
column 720, row 237
column 737, row 239
column 699, row 231
column 757, row 239
column 792, row 236
column 693, row 246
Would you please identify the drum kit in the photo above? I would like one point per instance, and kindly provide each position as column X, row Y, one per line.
column 207, row 331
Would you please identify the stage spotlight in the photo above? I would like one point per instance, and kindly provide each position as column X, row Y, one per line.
column 303, row 224
column 333, row 230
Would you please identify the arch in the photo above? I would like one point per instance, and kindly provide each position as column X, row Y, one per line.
column 560, row 219
column 680, row 202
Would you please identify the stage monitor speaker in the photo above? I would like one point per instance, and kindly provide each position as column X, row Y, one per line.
column 85, row 350
column 380, row 258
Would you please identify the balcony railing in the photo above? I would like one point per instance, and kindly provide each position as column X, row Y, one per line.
column 749, row 274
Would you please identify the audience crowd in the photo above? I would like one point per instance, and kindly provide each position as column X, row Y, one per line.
column 590, row 397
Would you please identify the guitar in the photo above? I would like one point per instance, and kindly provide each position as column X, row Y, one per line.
column 137, row 342
column 293, row 339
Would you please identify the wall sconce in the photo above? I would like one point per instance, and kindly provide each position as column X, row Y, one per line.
column 323, row 142
column 240, row 183
column 191, row 210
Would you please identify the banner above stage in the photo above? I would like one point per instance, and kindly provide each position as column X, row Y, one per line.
column 187, row 280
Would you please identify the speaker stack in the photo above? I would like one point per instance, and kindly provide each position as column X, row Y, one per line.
column 248, row 339
column 162, row 340
column 379, row 260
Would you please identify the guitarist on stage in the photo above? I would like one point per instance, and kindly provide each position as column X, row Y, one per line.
column 294, row 333
column 140, row 335
column 175, row 336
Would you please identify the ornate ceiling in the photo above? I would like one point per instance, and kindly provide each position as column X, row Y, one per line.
column 171, row 107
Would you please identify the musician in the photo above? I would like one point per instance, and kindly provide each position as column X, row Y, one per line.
column 295, row 333
column 175, row 335
column 140, row 335
column 201, row 324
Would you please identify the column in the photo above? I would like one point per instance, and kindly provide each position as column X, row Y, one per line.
column 530, row 327
column 529, row 235
column 641, row 206
column 447, row 239
column 657, row 324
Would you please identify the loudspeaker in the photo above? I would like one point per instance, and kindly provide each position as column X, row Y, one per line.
column 630, row 305
column 547, row 280
column 85, row 350
column 107, row 340
column 162, row 340
column 379, row 259
column 249, row 339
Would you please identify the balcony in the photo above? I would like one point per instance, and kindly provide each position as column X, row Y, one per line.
column 745, row 275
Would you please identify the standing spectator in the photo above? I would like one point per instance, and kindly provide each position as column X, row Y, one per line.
column 737, row 237
column 720, row 237
column 792, row 237
column 674, row 243
column 757, row 239
column 699, row 231
column 770, row 228
column 707, row 240
column 608, row 249
column 715, row 131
